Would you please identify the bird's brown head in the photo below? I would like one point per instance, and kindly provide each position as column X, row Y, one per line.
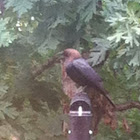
column 71, row 54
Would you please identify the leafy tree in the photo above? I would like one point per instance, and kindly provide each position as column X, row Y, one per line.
column 33, row 31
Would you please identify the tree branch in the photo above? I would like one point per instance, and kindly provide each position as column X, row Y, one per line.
column 48, row 64
column 128, row 105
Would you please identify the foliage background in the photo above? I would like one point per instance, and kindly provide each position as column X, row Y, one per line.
column 32, row 31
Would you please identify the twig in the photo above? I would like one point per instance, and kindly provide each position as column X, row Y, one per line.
column 128, row 105
column 48, row 64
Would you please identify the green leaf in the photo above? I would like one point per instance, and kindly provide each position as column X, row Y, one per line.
column 20, row 6
column 116, row 37
column 98, row 53
column 86, row 9
column 49, row 43
column 7, row 109
column 3, row 90
column 11, row 112
column 135, row 61
column 121, row 52
column 6, row 36
column 59, row 20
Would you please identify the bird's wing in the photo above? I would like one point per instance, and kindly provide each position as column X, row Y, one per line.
column 84, row 69
column 83, row 74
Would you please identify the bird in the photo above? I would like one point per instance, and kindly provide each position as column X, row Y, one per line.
column 78, row 69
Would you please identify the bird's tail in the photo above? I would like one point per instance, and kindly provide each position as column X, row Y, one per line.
column 103, row 92
column 110, row 101
column 106, row 95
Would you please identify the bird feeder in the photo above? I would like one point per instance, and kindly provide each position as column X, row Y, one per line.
column 80, row 118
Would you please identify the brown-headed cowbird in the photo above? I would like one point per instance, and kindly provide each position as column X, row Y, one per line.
column 82, row 73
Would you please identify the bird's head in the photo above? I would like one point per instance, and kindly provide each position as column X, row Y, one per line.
column 71, row 54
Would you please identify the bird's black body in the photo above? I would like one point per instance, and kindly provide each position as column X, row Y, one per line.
column 83, row 74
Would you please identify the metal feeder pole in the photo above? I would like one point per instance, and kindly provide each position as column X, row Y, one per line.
column 80, row 118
